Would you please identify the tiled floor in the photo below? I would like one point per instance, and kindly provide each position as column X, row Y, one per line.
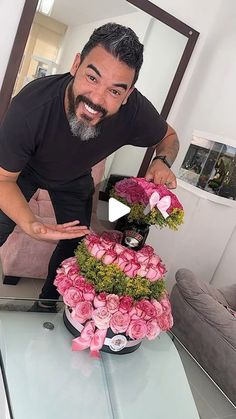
column 209, row 400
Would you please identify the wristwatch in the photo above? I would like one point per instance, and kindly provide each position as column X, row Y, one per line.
column 164, row 159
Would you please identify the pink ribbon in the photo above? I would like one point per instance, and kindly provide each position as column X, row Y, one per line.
column 161, row 203
column 90, row 338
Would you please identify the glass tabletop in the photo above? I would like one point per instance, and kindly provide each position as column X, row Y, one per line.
column 44, row 379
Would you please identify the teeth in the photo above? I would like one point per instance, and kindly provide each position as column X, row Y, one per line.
column 90, row 109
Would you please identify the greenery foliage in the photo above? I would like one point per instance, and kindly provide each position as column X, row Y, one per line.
column 110, row 279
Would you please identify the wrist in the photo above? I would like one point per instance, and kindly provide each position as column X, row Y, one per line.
column 164, row 159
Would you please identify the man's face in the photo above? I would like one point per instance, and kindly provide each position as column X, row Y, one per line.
column 101, row 85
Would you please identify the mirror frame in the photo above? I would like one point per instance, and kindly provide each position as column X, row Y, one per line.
column 22, row 34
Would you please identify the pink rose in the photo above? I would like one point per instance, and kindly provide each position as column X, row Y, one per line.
column 118, row 248
column 157, row 306
column 131, row 269
column 109, row 257
column 153, row 273
column 142, row 271
column 88, row 292
column 129, row 254
column 72, row 272
column 121, row 262
column 72, row 296
column 112, row 303
column 100, row 300
column 59, row 277
column 69, row 262
column 137, row 329
column 162, row 268
column 79, row 282
column 97, row 250
column 63, row 285
column 126, row 304
column 82, row 311
column 153, row 330
column 119, row 322
column 135, row 195
column 101, row 317
column 165, row 322
column 145, row 309
column 165, row 303
column 90, row 240
column 106, row 244
column 143, row 259
column 122, row 186
column 113, row 236
column 146, row 250
column 155, row 260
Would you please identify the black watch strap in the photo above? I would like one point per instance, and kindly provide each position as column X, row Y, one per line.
column 164, row 159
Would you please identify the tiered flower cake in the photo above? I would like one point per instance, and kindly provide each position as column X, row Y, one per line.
column 115, row 296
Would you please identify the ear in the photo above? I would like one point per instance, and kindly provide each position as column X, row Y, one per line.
column 75, row 64
column 127, row 96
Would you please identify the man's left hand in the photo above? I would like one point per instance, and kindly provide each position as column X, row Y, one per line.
column 160, row 174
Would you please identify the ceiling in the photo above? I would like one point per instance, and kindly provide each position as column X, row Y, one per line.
column 76, row 12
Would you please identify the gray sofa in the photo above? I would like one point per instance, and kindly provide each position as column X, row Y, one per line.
column 205, row 325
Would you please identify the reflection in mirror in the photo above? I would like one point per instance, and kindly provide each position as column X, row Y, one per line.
column 154, row 82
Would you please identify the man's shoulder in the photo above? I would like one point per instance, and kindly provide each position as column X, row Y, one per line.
column 141, row 102
column 39, row 92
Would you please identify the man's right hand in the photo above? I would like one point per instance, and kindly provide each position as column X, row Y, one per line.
column 55, row 232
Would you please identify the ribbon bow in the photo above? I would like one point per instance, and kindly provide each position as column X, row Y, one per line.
column 90, row 338
column 161, row 203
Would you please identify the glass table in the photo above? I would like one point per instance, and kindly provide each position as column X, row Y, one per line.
column 43, row 379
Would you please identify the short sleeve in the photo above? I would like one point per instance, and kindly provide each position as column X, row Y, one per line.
column 16, row 141
column 149, row 127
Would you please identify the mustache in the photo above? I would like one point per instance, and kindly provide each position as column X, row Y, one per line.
column 97, row 108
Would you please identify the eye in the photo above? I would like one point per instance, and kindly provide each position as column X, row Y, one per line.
column 115, row 92
column 91, row 78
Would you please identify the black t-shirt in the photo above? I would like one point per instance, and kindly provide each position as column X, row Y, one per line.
column 36, row 133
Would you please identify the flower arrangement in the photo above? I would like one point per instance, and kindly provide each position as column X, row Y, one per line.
column 150, row 203
column 107, row 287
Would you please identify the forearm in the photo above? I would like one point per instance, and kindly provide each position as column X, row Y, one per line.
column 14, row 205
column 169, row 146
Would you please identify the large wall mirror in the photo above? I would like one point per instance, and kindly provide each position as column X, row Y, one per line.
column 46, row 44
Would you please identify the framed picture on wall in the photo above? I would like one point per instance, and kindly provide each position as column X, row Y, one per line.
column 210, row 164
column 40, row 72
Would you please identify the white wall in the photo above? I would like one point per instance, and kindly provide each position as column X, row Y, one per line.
column 9, row 19
column 209, row 102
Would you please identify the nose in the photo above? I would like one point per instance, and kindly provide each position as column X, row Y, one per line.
column 98, row 95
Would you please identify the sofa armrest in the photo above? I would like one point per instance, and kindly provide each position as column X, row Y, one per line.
column 208, row 302
column 229, row 294
column 191, row 287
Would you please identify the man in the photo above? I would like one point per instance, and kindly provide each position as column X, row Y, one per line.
column 58, row 127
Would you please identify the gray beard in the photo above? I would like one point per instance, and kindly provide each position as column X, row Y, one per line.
column 81, row 129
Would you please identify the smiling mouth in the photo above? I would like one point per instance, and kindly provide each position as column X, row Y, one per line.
column 90, row 110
